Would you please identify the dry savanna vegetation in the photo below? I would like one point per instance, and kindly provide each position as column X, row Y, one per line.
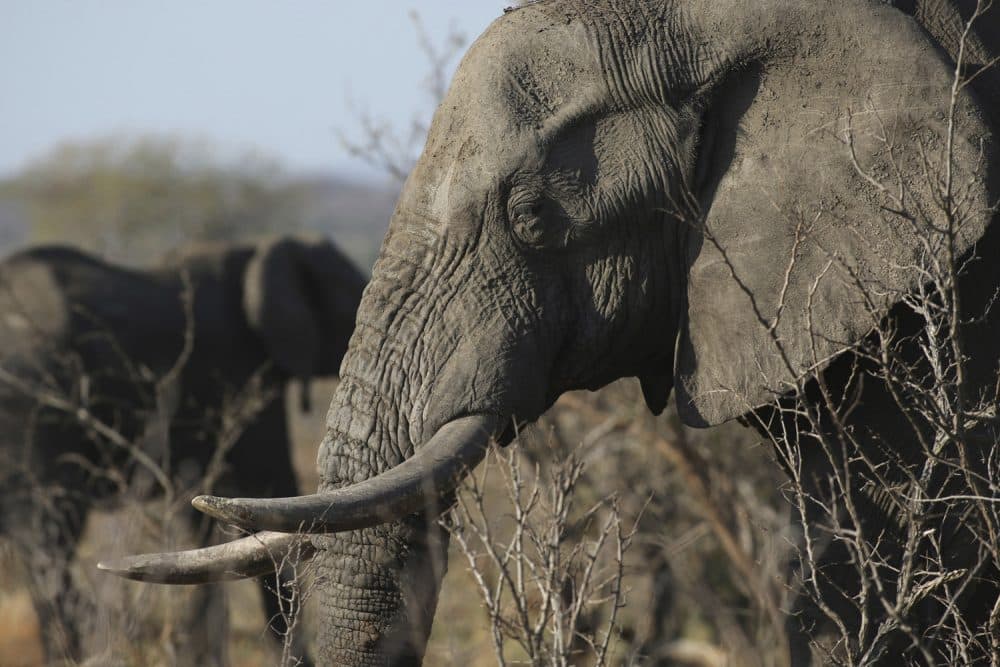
column 606, row 536
column 686, row 530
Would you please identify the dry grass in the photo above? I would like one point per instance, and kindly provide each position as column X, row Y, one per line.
column 19, row 639
column 684, row 595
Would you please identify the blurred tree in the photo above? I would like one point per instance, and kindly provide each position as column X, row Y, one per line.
column 12, row 228
column 394, row 150
column 130, row 198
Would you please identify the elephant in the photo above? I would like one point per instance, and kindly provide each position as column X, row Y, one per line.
column 118, row 381
column 690, row 192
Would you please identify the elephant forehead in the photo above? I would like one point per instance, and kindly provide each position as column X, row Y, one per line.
column 525, row 73
column 524, row 70
column 526, row 64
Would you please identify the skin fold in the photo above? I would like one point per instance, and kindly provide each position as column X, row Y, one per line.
column 614, row 189
column 78, row 333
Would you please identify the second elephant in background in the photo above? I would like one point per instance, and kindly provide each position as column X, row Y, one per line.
column 155, row 382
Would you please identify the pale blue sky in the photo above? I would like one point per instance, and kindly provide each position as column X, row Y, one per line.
column 266, row 74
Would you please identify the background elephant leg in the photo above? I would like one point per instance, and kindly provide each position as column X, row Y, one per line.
column 201, row 636
column 279, row 612
column 204, row 633
column 47, row 548
column 261, row 466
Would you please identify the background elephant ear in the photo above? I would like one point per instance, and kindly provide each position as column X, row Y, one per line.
column 278, row 305
column 800, row 255
column 301, row 295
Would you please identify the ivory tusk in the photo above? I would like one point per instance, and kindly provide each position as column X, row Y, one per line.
column 435, row 469
column 244, row 558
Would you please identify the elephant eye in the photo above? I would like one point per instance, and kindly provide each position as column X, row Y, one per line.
column 524, row 209
column 527, row 222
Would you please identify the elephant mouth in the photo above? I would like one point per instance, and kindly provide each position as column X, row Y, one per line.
column 414, row 485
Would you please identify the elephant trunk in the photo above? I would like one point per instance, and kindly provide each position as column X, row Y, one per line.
column 378, row 585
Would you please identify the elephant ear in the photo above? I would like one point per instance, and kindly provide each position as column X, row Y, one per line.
column 278, row 302
column 827, row 138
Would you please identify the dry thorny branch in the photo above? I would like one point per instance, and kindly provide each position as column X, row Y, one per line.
column 382, row 146
column 677, row 490
column 294, row 575
column 550, row 575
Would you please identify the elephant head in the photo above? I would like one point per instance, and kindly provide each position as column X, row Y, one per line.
column 679, row 191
